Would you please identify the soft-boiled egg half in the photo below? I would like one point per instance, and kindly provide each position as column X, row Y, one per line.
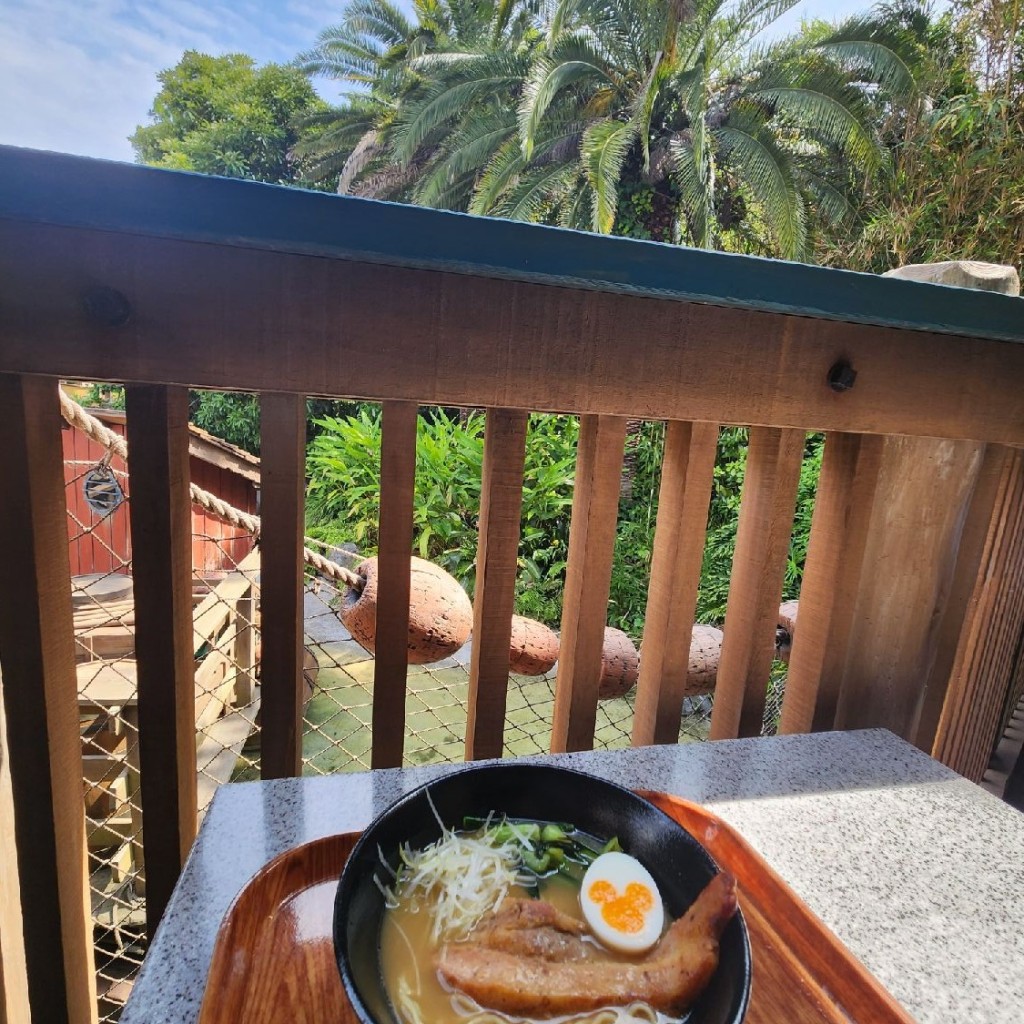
column 621, row 903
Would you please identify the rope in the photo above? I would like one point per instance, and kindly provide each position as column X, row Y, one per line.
column 117, row 445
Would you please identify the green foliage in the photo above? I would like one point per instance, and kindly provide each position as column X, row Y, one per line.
column 233, row 416
column 103, row 395
column 957, row 185
column 343, row 505
column 343, row 499
column 730, row 468
column 224, row 115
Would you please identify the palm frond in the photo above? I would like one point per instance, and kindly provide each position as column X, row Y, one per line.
column 733, row 31
column 816, row 98
column 447, row 99
column 695, row 203
column 379, row 19
column 535, row 192
column 468, row 149
column 831, row 203
column 503, row 167
column 547, row 78
column 870, row 50
column 603, row 150
column 748, row 144
column 366, row 150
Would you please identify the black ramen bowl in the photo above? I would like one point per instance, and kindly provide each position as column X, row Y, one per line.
column 678, row 863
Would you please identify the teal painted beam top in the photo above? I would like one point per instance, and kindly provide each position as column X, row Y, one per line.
column 74, row 191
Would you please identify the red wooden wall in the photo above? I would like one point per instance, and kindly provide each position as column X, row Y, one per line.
column 104, row 544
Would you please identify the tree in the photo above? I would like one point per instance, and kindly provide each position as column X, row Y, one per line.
column 226, row 116
column 957, row 186
column 654, row 118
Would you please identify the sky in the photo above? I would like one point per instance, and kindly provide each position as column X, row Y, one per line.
column 77, row 76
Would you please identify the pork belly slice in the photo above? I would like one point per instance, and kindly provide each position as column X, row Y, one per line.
column 515, row 979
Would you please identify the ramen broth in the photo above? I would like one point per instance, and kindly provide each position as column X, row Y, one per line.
column 407, row 955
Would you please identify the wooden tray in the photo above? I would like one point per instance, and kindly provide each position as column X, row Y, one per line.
column 274, row 957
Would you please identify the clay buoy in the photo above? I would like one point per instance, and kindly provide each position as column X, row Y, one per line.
column 440, row 615
column 620, row 664
column 533, row 648
column 786, row 629
column 705, row 654
column 702, row 665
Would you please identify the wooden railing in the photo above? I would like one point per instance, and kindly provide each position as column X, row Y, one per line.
column 911, row 607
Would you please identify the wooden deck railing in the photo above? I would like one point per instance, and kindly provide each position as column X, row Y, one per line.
column 166, row 281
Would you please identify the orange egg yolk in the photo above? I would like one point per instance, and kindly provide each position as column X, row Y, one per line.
column 625, row 912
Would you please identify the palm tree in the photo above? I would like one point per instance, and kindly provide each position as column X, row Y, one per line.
column 656, row 118
column 451, row 62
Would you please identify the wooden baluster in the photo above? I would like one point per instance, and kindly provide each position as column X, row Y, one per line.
column 496, row 563
column 759, row 565
column 828, row 596
column 391, row 655
column 161, row 522
column 282, row 526
column 595, row 507
column 686, row 478
column 43, row 747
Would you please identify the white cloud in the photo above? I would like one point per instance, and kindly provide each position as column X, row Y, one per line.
column 78, row 77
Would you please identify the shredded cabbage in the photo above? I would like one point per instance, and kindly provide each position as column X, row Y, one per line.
column 458, row 879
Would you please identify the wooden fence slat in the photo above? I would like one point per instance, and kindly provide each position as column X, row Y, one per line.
column 161, row 523
column 763, row 535
column 595, row 507
column 985, row 664
column 501, row 502
column 686, row 479
column 394, row 547
column 835, row 560
column 44, row 748
column 282, row 527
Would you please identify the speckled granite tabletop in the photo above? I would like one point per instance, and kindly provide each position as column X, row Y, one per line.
column 919, row 872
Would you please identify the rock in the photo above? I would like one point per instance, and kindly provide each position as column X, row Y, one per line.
column 990, row 277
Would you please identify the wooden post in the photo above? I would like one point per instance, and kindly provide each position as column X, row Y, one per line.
column 282, row 512
column 961, row 605
column 161, row 521
column 391, row 653
column 933, row 508
column 982, row 680
column 687, row 475
column 43, row 752
column 496, row 564
column 759, row 565
column 595, row 508
column 835, row 561
column 244, row 652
